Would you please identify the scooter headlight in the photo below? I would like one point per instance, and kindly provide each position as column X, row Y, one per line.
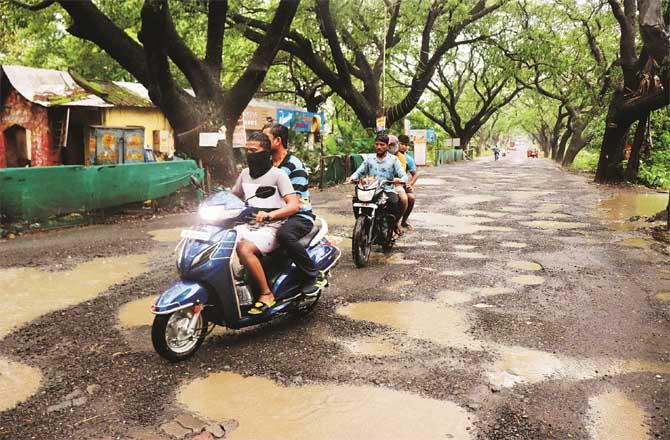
column 365, row 195
column 217, row 213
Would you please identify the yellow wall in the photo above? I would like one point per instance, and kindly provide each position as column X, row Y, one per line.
column 149, row 118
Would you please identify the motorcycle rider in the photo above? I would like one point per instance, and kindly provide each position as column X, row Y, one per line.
column 256, row 242
column 394, row 149
column 300, row 224
column 410, row 169
column 383, row 166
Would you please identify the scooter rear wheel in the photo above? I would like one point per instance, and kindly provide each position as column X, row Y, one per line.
column 170, row 336
column 360, row 244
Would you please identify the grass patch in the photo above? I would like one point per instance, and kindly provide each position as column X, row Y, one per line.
column 586, row 160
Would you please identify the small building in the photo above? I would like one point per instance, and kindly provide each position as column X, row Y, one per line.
column 52, row 117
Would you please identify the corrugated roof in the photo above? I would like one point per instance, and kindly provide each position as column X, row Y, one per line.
column 50, row 88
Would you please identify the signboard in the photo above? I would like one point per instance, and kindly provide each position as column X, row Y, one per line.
column 239, row 134
column 209, row 139
column 381, row 123
column 452, row 142
column 255, row 117
column 431, row 137
column 418, row 137
column 302, row 122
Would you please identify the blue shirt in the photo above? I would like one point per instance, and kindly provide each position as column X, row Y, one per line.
column 386, row 169
column 411, row 165
column 295, row 170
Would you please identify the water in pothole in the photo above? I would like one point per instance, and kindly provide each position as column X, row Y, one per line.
column 617, row 210
column 639, row 243
column 17, row 383
column 433, row 322
column 469, row 199
column 524, row 265
column 30, row 293
column 614, row 416
column 469, row 255
column 663, row 296
column 554, row 225
column 474, row 213
column 464, row 247
column 266, row 410
column 513, row 244
column 528, row 280
column 428, row 181
column 172, row 235
column 522, row 196
column 452, row 273
column 338, row 219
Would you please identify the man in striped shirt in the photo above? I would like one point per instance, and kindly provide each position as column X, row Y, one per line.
column 301, row 223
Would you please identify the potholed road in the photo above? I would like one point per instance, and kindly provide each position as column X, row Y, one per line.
column 513, row 310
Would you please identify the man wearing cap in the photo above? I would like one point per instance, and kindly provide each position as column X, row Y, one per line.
column 383, row 166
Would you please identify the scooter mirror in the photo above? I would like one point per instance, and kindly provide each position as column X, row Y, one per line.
column 264, row 192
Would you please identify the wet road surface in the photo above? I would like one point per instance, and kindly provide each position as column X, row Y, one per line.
column 523, row 305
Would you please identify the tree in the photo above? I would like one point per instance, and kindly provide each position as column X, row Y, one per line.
column 643, row 85
column 469, row 89
column 161, row 49
column 350, row 55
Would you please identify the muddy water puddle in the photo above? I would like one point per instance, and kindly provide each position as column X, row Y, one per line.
column 528, row 280
column 663, row 296
column 421, row 320
column 472, row 199
column 617, row 210
column 554, row 225
column 17, row 383
column 524, row 265
column 137, row 313
column 452, row 273
column 469, row 255
column 513, row 244
column 614, row 416
column 639, row 243
column 372, row 346
column 464, row 247
column 337, row 219
column 34, row 292
column 172, row 235
column 430, row 181
column 322, row 411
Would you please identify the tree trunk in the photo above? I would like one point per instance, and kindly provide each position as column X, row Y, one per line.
column 633, row 166
column 614, row 140
column 577, row 142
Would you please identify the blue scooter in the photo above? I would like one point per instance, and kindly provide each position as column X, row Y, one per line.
column 214, row 288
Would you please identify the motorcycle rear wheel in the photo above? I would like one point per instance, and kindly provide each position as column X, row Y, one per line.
column 360, row 243
column 170, row 338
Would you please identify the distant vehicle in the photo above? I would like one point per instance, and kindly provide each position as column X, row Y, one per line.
column 531, row 152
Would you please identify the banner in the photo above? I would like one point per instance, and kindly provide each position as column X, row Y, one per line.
column 302, row 122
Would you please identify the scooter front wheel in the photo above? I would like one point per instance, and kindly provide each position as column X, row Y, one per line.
column 174, row 338
column 360, row 243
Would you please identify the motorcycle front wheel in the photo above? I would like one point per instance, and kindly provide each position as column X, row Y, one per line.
column 171, row 337
column 360, row 242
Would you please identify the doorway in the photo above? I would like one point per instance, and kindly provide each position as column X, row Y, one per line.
column 17, row 152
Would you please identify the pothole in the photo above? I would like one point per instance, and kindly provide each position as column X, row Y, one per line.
column 528, row 280
column 322, row 411
column 663, row 296
column 524, row 265
column 30, row 293
column 554, row 225
column 639, row 243
column 171, row 235
column 17, row 383
column 469, row 255
column 464, row 247
column 513, row 244
column 613, row 416
column 452, row 273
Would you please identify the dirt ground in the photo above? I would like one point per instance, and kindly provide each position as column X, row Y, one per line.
column 512, row 310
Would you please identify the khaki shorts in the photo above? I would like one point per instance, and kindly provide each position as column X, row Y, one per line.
column 400, row 189
column 264, row 237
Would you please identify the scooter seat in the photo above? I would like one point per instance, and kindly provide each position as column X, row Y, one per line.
column 307, row 239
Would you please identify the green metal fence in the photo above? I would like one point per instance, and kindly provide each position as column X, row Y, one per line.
column 38, row 193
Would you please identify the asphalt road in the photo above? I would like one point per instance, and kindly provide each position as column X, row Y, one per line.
column 513, row 310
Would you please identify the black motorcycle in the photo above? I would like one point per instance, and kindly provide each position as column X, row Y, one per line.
column 375, row 221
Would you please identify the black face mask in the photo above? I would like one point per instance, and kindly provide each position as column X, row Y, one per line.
column 259, row 163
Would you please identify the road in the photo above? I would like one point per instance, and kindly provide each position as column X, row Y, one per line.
column 515, row 309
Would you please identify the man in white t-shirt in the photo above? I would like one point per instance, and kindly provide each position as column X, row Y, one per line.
column 254, row 242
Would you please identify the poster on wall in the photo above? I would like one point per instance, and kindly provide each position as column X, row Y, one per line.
column 302, row 122
column 381, row 123
column 239, row 134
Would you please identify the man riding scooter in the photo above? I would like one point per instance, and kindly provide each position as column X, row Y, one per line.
column 257, row 242
column 383, row 166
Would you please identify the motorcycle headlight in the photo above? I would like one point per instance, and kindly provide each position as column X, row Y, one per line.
column 365, row 195
column 216, row 213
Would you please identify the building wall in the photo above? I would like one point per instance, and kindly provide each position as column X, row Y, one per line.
column 149, row 118
column 16, row 110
